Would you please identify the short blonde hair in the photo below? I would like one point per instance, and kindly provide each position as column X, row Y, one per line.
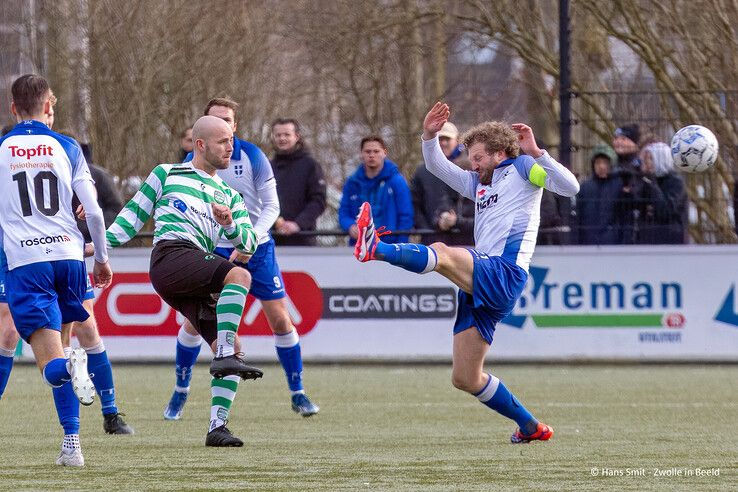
column 496, row 136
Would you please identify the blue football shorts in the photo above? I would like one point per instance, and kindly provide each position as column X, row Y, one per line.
column 497, row 285
column 89, row 292
column 3, row 296
column 266, row 279
column 46, row 295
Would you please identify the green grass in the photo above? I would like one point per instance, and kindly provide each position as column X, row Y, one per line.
column 389, row 427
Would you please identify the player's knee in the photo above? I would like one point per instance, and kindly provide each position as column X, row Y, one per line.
column 282, row 324
column 462, row 382
column 86, row 332
column 239, row 276
column 8, row 337
column 441, row 251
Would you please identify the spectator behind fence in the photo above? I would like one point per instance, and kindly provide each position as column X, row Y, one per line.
column 436, row 205
column 300, row 184
column 625, row 143
column 639, row 205
column 185, row 143
column 596, row 199
column 379, row 182
column 670, row 216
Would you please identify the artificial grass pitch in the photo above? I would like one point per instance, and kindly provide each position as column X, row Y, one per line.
column 636, row 427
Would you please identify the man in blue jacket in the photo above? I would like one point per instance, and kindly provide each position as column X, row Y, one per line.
column 379, row 182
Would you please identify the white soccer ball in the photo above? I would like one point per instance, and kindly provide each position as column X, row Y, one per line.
column 694, row 149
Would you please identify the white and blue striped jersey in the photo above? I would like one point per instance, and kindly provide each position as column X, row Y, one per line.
column 251, row 175
column 39, row 171
column 507, row 210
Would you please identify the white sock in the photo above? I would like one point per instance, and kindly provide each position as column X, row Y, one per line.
column 226, row 343
column 96, row 349
column 70, row 443
column 187, row 339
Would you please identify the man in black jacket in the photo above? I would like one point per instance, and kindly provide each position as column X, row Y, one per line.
column 300, row 185
column 597, row 199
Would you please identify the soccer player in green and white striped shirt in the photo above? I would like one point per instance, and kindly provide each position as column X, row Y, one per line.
column 193, row 208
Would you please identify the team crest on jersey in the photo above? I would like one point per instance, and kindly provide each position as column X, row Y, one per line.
column 219, row 197
column 238, row 170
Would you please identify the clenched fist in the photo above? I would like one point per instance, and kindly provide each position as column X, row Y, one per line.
column 222, row 214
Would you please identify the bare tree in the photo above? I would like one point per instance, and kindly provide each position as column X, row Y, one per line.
column 667, row 40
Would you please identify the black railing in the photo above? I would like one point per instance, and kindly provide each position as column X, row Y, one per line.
column 341, row 232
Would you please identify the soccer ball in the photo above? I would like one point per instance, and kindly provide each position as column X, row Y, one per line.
column 694, row 149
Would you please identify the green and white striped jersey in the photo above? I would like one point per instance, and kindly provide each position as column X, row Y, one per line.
column 180, row 198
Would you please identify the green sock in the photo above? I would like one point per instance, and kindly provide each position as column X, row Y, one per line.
column 223, row 392
column 229, row 311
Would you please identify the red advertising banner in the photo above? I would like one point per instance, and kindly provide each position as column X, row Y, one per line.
column 131, row 307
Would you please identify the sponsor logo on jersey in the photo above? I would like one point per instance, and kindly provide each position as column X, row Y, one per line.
column 205, row 216
column 32, row 165
column 36, row 241
column 29, row 152
column 484, row 202
column 180, row 205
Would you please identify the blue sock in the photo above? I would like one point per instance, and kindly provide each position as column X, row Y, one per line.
column 55, row 372
column 67, row 407
column 101, row 373
column 497, row 397
column 185, row 357
column 290, row 355
column 6, row 365
column 416, row 258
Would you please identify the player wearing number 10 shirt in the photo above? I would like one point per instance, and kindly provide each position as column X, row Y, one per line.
column 42, row 249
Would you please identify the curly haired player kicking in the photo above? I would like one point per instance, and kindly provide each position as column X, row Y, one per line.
column 506, row 186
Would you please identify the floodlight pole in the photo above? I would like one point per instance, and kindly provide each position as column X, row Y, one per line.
column 565, row 208
column 564, row 85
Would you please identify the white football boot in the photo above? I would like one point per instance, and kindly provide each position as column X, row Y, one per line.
column 73, row 458
column 81, row 382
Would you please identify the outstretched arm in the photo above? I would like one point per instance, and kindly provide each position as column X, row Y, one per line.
column 557, row 177
column 137, row 211
column 436, row 162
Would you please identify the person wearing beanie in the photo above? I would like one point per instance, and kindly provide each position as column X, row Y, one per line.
column 596, row 199
column 625, row 142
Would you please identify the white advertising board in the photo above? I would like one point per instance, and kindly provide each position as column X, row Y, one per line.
column 581, row 303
